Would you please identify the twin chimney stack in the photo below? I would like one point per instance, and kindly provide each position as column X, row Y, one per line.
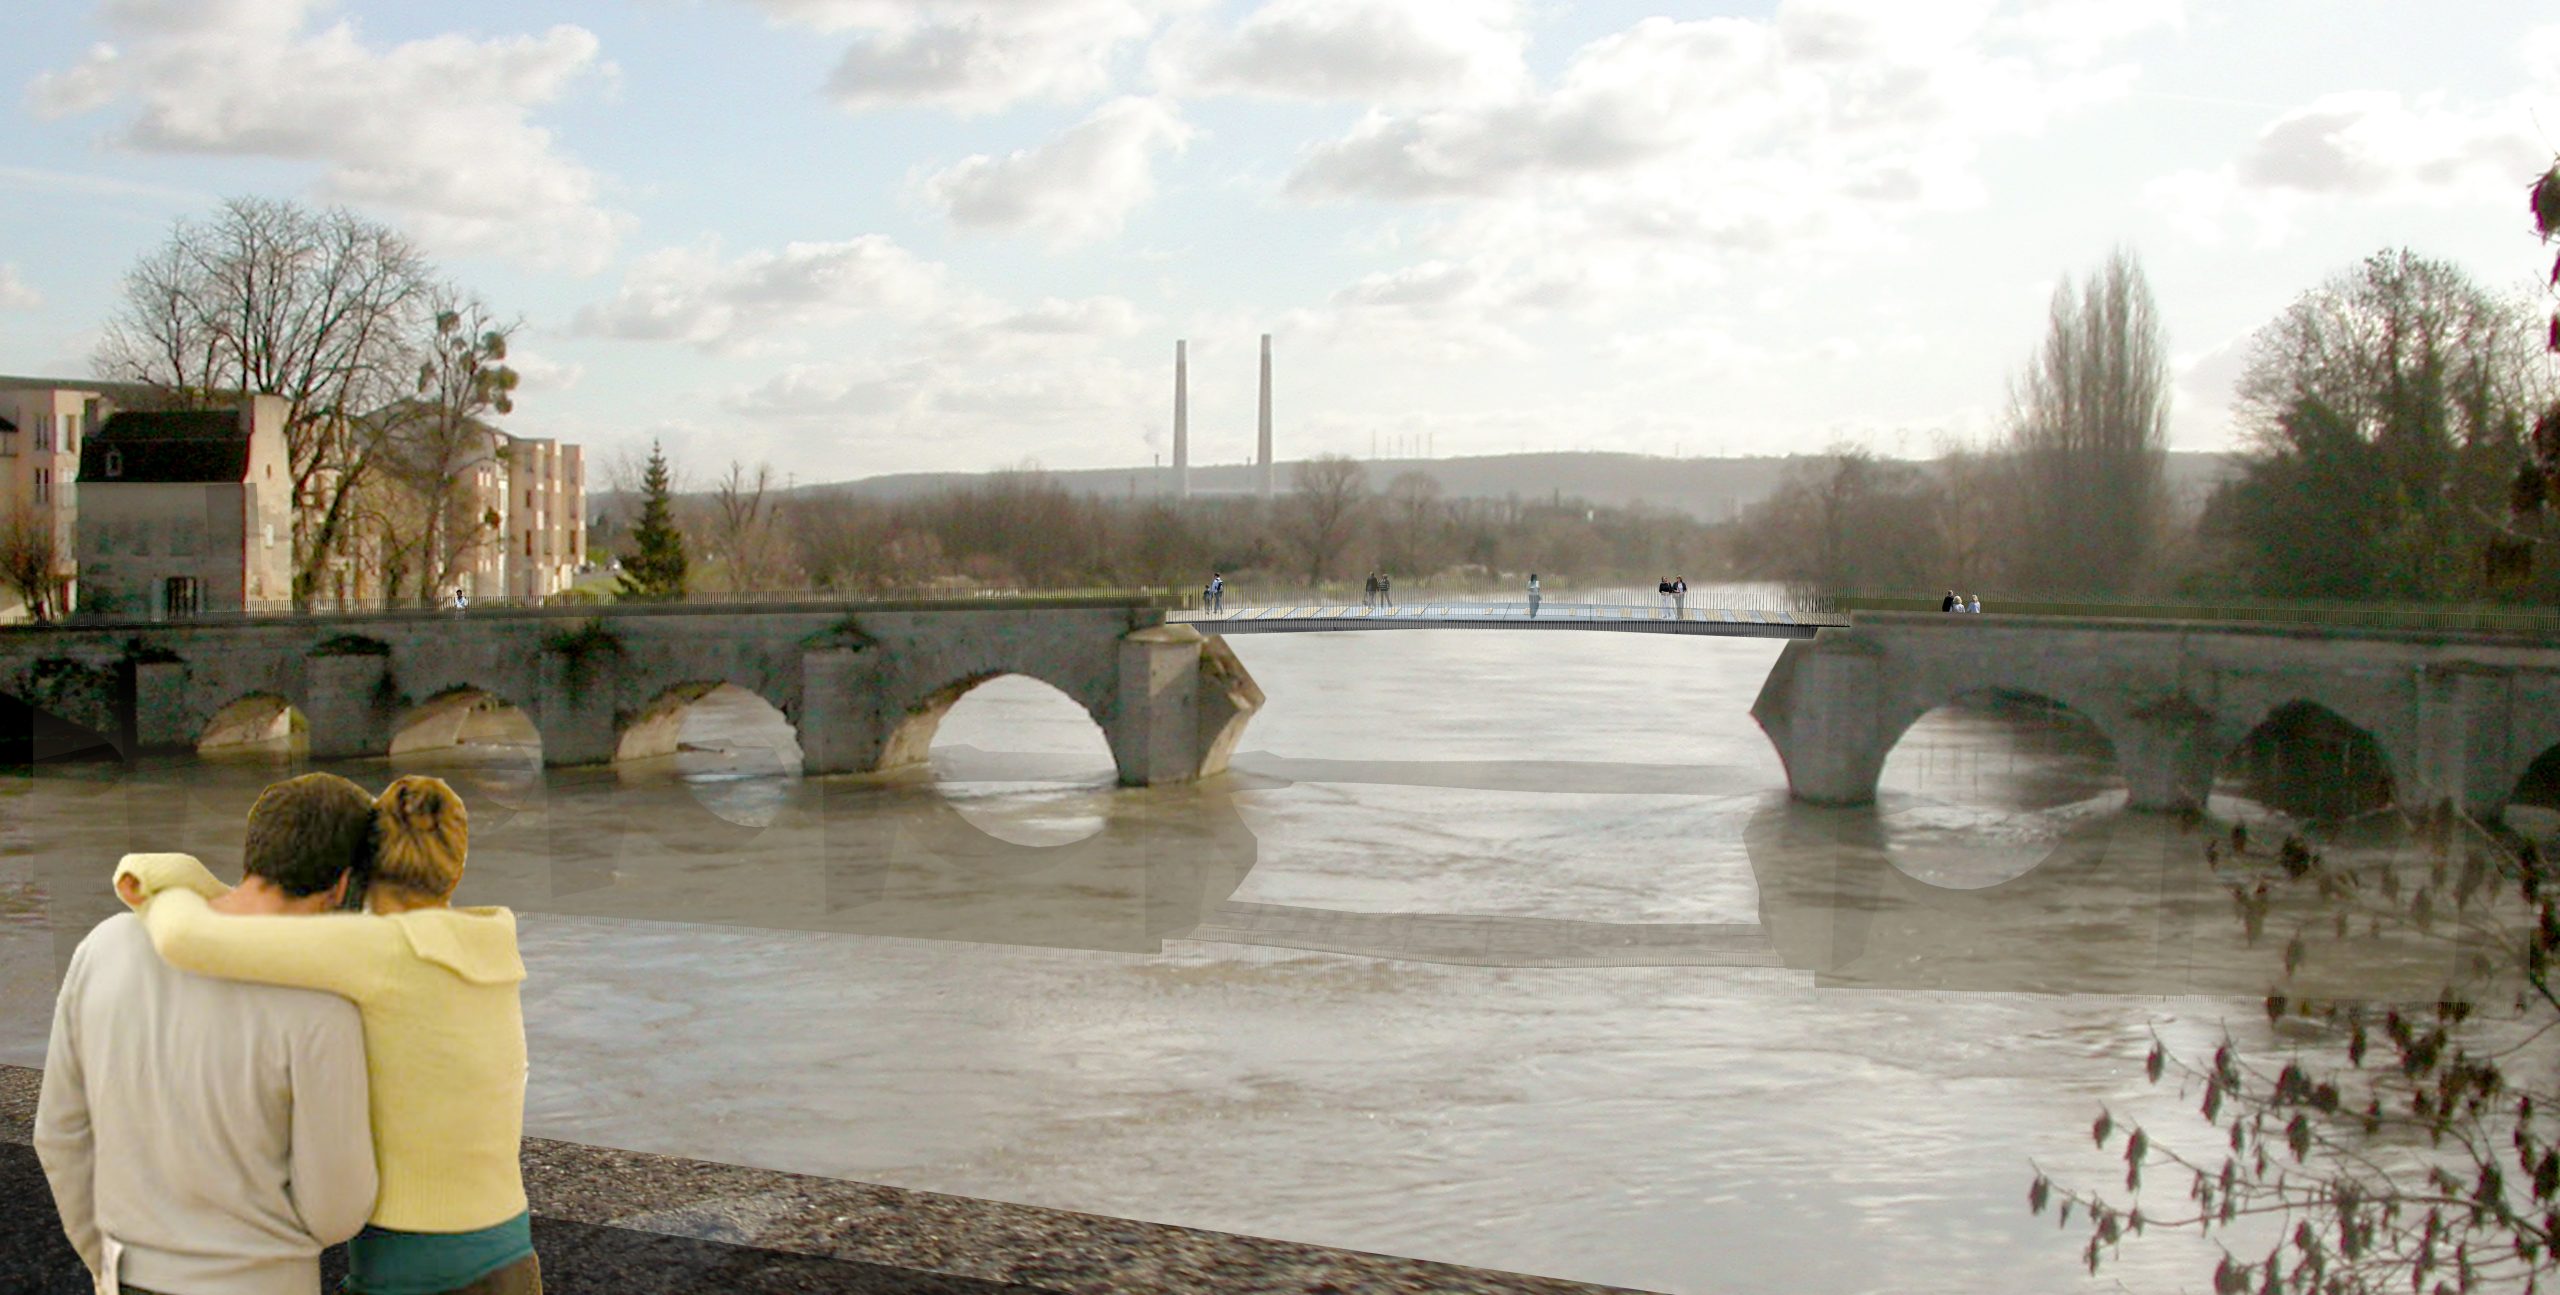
column 1182, row 421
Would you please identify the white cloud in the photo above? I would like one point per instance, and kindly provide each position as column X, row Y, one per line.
column 942, row 399
column 1380, row 51
column 434, row 131
column 2080, row 32
column 14, row 292
column 1087, row 317
column 1663, row 152
column 2541, row 51
column 1077, row 186
column 692, row 295
column 541, row 374
column 2369, row 146
column 974, row 56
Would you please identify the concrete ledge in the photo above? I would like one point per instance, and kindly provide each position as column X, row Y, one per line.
column 621, row 1221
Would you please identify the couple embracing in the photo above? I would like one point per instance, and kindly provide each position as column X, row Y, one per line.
column 242, row 1076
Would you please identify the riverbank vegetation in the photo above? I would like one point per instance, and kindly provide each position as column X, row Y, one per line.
column 2385, row 418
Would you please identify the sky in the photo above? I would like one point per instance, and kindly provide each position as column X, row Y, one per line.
column 850, row 237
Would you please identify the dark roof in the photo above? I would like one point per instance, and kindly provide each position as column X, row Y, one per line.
column 7, row 426
column 168, row 445
column 131, row 395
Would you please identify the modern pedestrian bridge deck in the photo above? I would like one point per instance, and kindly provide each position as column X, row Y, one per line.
column 1728, row 622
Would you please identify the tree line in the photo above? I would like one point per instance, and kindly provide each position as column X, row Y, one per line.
column 1024, row 529
column 2389, row 451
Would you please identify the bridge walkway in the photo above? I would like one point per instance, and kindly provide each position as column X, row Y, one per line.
column 1720, row 621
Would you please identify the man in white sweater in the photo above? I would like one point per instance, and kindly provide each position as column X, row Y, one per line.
column 208, row 1137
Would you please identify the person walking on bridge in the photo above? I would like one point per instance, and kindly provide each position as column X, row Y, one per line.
column 1533, row 594
column 1216, row 594
column 1662, row 588
column 1369, row 592
column 1680, row 597
column 1950, row 603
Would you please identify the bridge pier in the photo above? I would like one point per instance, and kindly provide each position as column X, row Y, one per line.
column 1824, row 709
column 158, row 707
column 349, row 700
column 576, row 717
column 2465, row 754
column 2167, row 755
column 841, row 728
column 1184, row 699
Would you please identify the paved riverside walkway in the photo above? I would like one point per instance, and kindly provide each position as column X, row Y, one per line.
column 606, row 1220
column 1729, row 622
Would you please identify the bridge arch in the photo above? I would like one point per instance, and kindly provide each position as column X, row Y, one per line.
column 2305, row 760
column 458, row 715
column 917, row 715
column 31, row 735
column 2533, row 804
column 2047, row 695
column 2002, row 777
column 657, row 728
column 251, row 721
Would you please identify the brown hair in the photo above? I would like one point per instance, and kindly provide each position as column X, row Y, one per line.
column 423, row 834
column 306, row 832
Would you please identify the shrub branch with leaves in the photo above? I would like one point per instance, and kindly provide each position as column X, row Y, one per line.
column 2398, row 1149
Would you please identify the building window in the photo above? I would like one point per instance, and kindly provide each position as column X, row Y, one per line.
column 44, row 433
column 70, row 433
column 44, row 485
column 115, row 463
column 182, row 596
column 528, row 544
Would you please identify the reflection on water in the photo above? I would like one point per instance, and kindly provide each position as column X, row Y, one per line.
column 1500, row 949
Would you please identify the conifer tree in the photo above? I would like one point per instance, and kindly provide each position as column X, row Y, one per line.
column 656, row 567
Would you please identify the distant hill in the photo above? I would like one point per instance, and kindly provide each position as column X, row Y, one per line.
column 1708, row 489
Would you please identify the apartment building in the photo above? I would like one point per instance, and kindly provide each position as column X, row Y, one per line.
column 546, row 531
column 186, row 511
column 198, row 506
column 531, row 495
column 42, row 427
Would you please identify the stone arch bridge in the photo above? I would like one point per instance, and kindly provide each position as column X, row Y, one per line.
column 863, row 688
column 2458, row 717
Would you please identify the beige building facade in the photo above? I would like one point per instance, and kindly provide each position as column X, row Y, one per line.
column 530, row 494
column 194, row 509
column 187, row 511
column 42, row 427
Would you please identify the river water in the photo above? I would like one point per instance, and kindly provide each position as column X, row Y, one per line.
column 1499, row 948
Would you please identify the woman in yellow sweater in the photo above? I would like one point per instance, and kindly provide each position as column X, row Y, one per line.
column 443, row 1032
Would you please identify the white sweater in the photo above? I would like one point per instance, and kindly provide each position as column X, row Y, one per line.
column 201, row 1135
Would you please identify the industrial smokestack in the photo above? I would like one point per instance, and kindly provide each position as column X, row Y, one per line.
column 1266, row 416
column 1181, row 422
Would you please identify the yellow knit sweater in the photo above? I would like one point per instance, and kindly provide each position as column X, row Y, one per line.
column 443, row 1029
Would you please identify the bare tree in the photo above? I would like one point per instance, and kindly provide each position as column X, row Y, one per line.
column 1842, row 523
column 1328, row 499
column 30, row 559
column 2089, row 424
column 437, row 444
column 743, row 535
column 1414, row 521
column 1975, row 488
column 269, row 297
